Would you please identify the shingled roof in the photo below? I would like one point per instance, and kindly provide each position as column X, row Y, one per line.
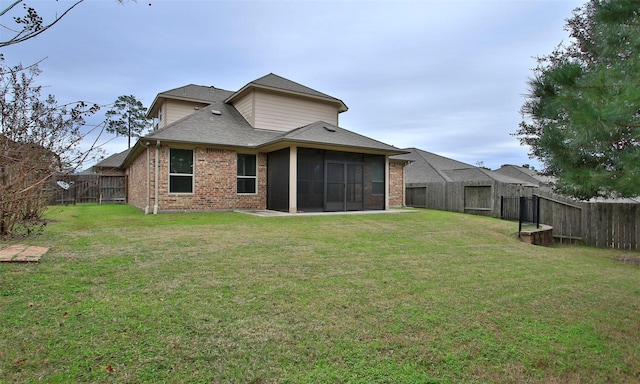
column 524, row 174
column 275, row 82
column 322, row 133
column 196, row 93
column 216, row 124
column 113, row 161
column 427, row 167
column 219, row 124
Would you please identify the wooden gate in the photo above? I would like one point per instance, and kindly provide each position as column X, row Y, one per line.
column 94, row 188
column 113, row 189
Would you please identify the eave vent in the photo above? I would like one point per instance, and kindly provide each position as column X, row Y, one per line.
column 216, row 112
column 329, row 128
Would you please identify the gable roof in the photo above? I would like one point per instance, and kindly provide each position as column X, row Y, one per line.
column 194, row 93
column 219, row 124
column 216, row 124
column 275, row 82
column 113, row 161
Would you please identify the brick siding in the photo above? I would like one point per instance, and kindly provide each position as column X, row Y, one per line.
column 214, row 182
column 396, row 184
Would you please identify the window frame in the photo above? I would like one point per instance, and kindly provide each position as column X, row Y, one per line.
column 245, row 177
column 175, row 174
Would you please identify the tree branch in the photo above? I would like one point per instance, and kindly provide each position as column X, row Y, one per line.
column 20, row 37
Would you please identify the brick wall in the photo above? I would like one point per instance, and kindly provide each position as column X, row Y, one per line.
column 214, row 182
column 396, row 184
column 137, row 187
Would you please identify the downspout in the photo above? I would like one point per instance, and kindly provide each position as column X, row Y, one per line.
column 146, row 209
column 155, row 203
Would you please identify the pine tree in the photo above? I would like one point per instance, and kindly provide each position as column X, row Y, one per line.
column 582, row 113
column 127, row 117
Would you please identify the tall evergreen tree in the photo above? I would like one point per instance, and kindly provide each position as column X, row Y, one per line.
column 582, row 113
column 127, row 117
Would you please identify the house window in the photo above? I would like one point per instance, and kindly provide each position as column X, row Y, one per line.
column 377, row 178
column 180, row 170
column 247, row 173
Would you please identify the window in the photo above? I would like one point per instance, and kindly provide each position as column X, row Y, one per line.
column 180, row 170
column 247, row 173
column 377, row 178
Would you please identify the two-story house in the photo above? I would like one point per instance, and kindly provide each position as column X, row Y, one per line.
column 273, row 144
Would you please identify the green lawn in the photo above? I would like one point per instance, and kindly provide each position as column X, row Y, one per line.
column 421, row 297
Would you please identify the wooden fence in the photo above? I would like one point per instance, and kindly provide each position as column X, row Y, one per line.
column 103, row 189
column 475, row 197
column 598, row 224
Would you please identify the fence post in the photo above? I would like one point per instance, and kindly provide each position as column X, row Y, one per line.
column 521, row 213
column 537, row 206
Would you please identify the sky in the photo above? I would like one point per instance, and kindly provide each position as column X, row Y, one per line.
column 447, row 77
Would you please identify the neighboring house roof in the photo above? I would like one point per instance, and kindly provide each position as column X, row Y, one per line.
column 113, row 161
column 524, row 174
column 427, row 167
column 545, row 183
column 275, row 82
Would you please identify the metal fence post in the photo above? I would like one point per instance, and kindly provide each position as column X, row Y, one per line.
column 521, row 213
column 537, row 201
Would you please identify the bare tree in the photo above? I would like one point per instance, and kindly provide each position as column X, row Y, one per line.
column 31, row 24
column 38, row 138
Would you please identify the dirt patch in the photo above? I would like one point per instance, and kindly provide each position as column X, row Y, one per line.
column 635, row 260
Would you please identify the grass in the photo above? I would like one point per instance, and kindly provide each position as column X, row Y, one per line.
column 423, row 297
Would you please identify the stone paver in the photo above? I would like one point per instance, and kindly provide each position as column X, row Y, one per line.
column 22, row 253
